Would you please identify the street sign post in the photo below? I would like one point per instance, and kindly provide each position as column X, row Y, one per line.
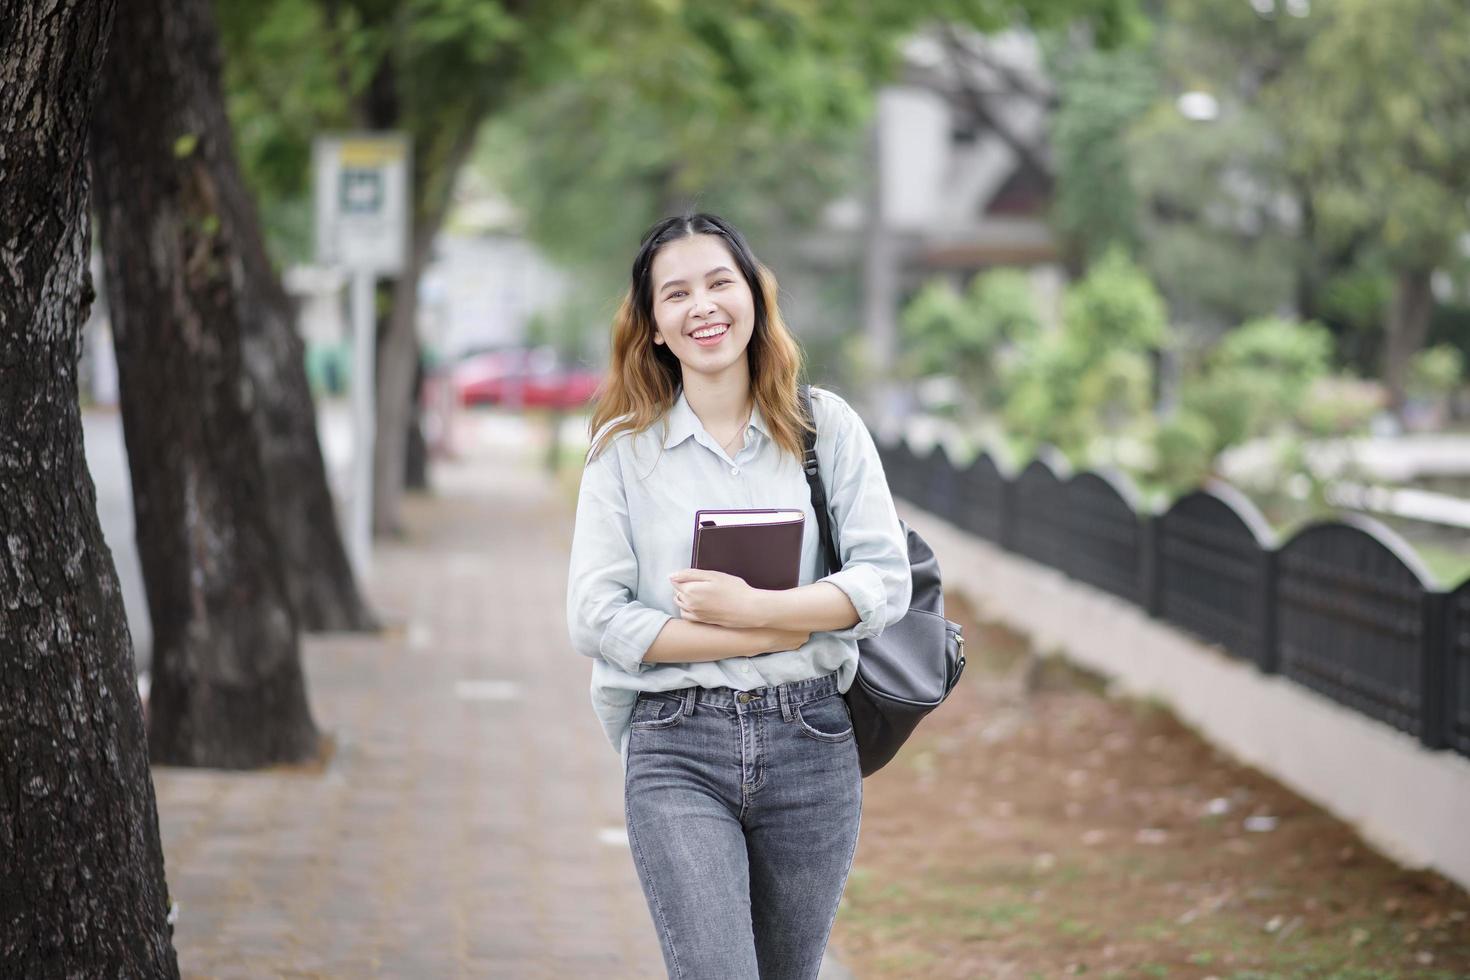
column 362, row 226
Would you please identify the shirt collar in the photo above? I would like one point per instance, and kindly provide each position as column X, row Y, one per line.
column 681, row 422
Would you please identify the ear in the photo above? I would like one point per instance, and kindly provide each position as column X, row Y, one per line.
column 658, row 338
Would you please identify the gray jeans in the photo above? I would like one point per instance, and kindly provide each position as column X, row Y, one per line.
column 743, row 811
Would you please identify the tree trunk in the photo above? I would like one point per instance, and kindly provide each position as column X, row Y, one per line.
column 416, row 451
column 398, row 348
column 1408, row 328
column 319, row 577
column 441, row 145
column 880, row 289
column 1309, row 267
column 227, row 687
column 397, row 353
column 82, row 891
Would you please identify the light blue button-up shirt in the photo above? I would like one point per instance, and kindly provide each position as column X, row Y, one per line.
column 635, row 526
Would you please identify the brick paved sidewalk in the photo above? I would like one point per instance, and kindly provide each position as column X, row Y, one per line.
column 470, row 822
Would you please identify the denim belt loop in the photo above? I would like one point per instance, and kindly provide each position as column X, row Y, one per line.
column 783, row 695
column 689, row 700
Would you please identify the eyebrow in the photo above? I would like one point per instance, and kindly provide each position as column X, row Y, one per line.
column 681, row 282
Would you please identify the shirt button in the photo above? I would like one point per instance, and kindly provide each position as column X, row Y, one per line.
column 734, row 471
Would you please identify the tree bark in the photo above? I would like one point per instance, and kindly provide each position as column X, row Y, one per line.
column 398, row 348
column 443, row 132
column 394, row 409
column 443, row 135
column 227, row 689
column 1408, row 328
column 319, row 578
column 82, row 890
column 416, row 450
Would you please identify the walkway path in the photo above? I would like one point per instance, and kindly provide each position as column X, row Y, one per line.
column 470, row 822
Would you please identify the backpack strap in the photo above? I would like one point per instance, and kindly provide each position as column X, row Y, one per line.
column 814, row 480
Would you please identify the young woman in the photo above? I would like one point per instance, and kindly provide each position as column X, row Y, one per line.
column 742, row 789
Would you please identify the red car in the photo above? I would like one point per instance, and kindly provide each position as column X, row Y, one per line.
column 522, row 378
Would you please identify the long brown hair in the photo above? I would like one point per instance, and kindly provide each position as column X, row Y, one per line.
column 643, row 378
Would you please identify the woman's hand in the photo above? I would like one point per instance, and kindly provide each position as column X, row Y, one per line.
column 716, row 598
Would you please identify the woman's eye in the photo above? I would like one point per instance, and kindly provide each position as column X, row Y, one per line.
column 722, row 282
column 675, row 294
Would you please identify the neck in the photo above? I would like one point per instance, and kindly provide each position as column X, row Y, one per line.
column 721, row 402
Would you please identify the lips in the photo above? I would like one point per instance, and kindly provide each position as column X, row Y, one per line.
column 711, row 340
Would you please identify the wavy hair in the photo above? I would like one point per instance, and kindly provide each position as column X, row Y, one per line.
column 644, row 378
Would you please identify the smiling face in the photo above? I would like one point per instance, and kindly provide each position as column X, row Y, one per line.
column 703, row 309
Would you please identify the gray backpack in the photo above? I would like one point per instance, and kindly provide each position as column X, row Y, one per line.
column 910, row 669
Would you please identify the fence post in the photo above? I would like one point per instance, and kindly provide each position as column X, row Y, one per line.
column 1456, row 666
column 1268, row 657
column 1153, row 592
column 1434, row 673
column 1006, row 539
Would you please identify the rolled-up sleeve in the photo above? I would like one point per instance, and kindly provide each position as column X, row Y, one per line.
column 875, row 574
column 604, row 619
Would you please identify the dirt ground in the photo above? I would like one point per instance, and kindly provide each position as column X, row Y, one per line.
column 1035, row 828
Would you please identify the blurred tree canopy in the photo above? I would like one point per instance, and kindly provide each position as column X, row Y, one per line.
column 1322, row 168
column 627, row 98
column 602, row 117
column 1102, row 93
column 1088, row 386
column 1299, row 169
column 1257, row 377
column 434, row 68
column 756, row 110
column 970, row 334
column 610, row 113
column 1389, row 132
column 1207, row 204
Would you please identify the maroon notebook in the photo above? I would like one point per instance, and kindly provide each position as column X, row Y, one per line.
column 763, row 547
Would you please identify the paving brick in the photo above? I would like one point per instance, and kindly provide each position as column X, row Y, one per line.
column 446, row 837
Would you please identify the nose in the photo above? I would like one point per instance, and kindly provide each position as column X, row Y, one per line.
column 703, row 306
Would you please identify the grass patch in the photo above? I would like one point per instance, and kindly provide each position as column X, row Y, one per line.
column 1021, row 804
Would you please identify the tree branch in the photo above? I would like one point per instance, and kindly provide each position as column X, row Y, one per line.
column 974, row 100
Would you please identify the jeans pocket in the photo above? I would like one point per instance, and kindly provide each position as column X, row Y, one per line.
column 826, row 719
column 654, row 712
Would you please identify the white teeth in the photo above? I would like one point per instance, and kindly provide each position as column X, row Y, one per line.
column 708, row 332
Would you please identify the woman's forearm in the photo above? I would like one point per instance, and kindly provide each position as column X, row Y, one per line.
column 685, row 641
column 814, row 608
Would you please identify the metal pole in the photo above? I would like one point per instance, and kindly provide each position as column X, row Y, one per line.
column 364, row 357
column 880, row 287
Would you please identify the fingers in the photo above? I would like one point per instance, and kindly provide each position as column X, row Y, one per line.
column 700, row 575
column 686, row 609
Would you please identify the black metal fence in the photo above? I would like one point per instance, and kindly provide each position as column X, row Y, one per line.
column 1457, row 711
column 1345, row 607
column 1037, row 501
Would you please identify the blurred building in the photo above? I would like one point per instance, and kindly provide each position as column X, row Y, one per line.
column 482, row 290
column 963, row 177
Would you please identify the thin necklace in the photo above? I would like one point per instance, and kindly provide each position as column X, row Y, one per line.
column 739, row 432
